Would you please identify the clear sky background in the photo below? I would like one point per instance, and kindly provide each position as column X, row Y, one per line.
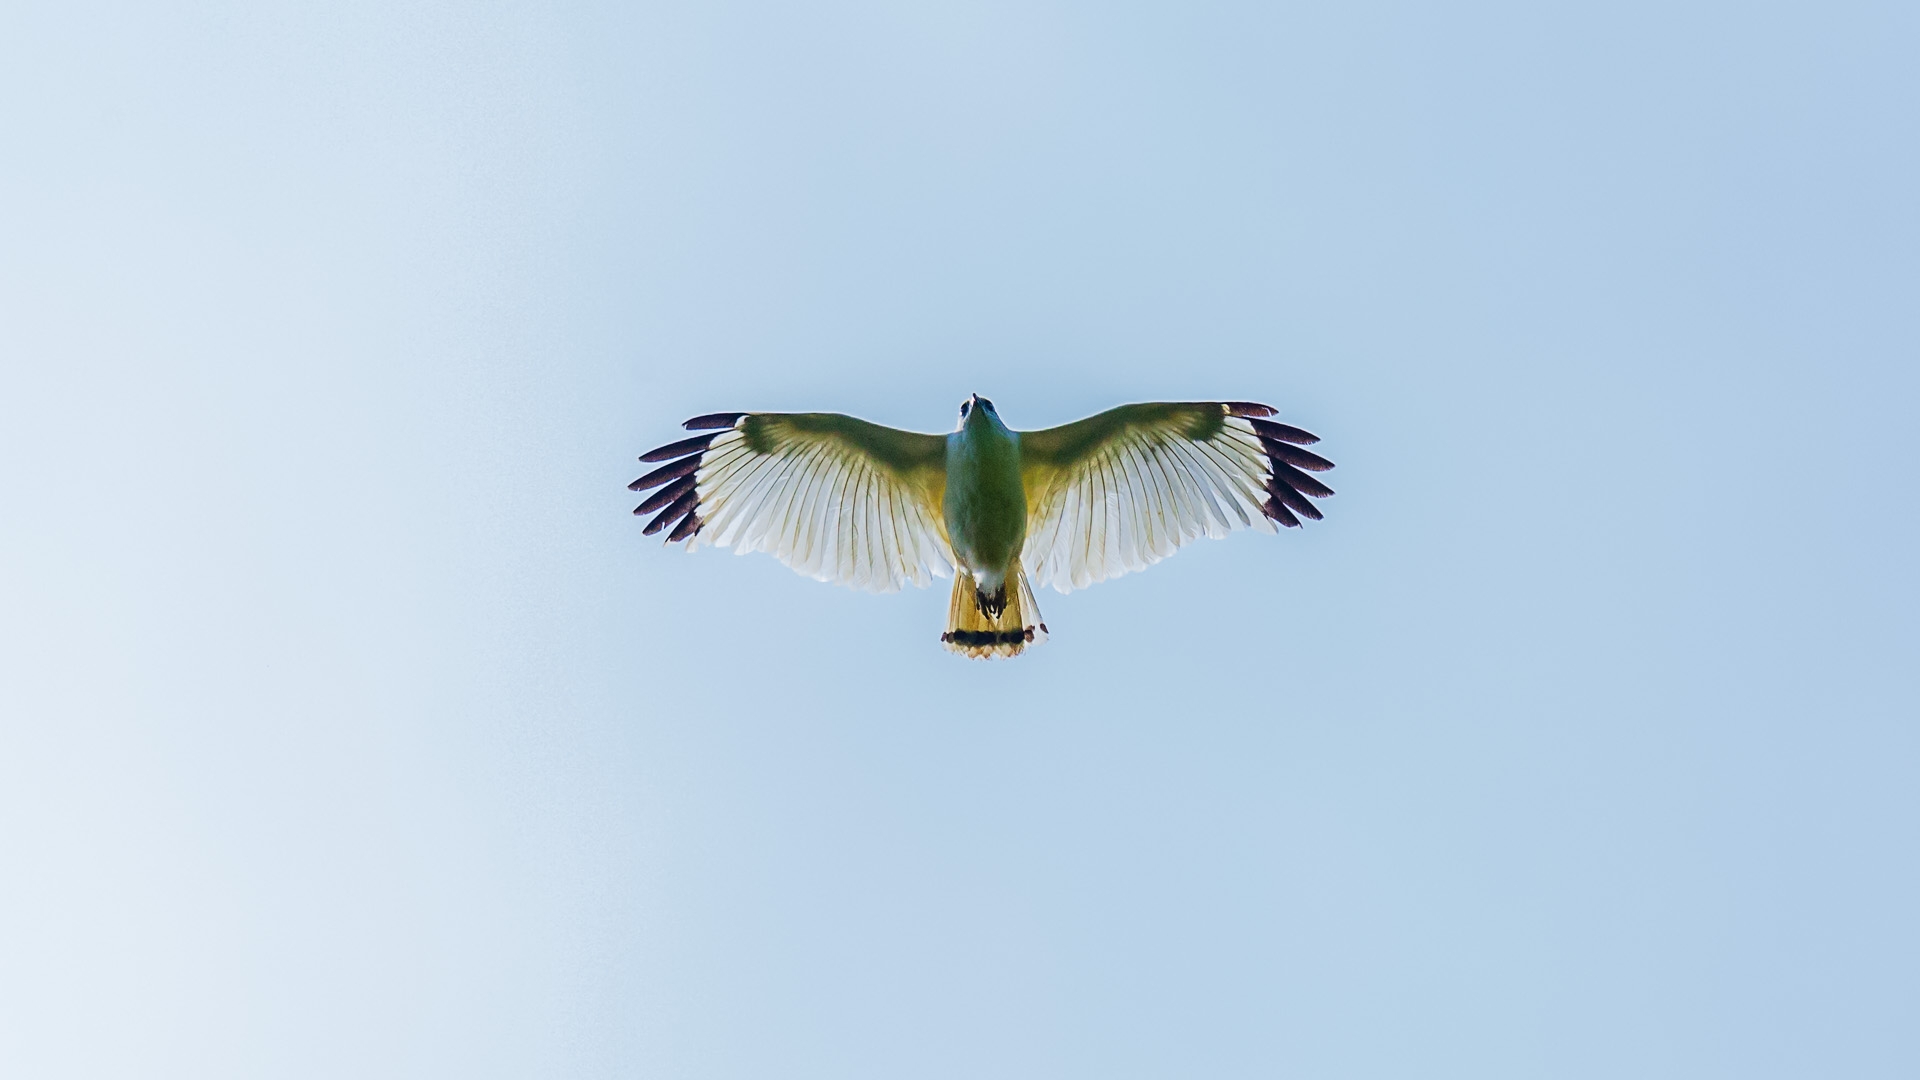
column 351, row 728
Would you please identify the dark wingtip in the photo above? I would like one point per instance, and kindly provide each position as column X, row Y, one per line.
column 672, row 471
column 1300, row 481
column 713, row 420
column 679, row 449
column 1284, row 432
column 1288, row 487
column 1292, row 499
column 1296, row 457
column 668, row 494
column 1278, row 512
column 682, row 505
column 1248, row 408
column 687, row 527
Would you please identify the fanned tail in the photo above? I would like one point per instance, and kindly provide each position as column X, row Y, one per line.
column 994, row 626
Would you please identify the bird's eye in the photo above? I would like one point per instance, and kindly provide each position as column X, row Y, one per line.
column 965, row 407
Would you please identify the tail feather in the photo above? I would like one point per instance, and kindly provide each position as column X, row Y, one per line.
column 1003, row 625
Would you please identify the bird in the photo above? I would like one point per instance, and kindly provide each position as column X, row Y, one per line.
column 846, row 501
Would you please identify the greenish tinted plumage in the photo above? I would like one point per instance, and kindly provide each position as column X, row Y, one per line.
column 844, row 500
column 985, row 508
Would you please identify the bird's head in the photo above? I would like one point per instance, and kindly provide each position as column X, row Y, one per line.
column 977, row 409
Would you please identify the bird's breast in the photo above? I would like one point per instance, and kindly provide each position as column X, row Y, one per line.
column 986, row 504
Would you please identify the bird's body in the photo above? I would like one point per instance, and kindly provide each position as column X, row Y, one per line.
column 985, row 507
column 844, row 500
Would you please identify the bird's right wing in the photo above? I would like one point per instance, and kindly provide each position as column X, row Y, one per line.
column 1127, row 487
column 835, row 498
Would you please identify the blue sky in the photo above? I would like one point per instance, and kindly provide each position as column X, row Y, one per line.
column 351, row 727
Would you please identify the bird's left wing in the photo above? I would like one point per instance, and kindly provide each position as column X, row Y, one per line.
column 837, row 499
column 1126, row 487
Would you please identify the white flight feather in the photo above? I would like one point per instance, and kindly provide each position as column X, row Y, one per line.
column 820, row 507
column 1143, row 496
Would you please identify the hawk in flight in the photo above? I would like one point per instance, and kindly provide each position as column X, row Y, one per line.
column 842, row 500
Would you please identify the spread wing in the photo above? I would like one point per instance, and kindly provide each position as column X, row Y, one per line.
column 1126, row 488
column 837, row 499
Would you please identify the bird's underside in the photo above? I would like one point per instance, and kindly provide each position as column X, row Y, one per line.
column 842, row 500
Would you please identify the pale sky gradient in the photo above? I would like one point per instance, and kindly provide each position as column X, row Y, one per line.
column 351, row 728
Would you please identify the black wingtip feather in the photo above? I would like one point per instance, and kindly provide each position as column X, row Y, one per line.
column 1300, row 481
column 1292, row 499
column 1278, row 512
column 1248, row 408
column 665, row 495
column 687, row 527
column 1296, row 457
column 672, row 513
column 1284, row 432
column 671, row 471
column 713, row 420
column 679, row 449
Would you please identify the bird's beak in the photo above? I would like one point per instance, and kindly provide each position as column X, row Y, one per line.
column 973, row 399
